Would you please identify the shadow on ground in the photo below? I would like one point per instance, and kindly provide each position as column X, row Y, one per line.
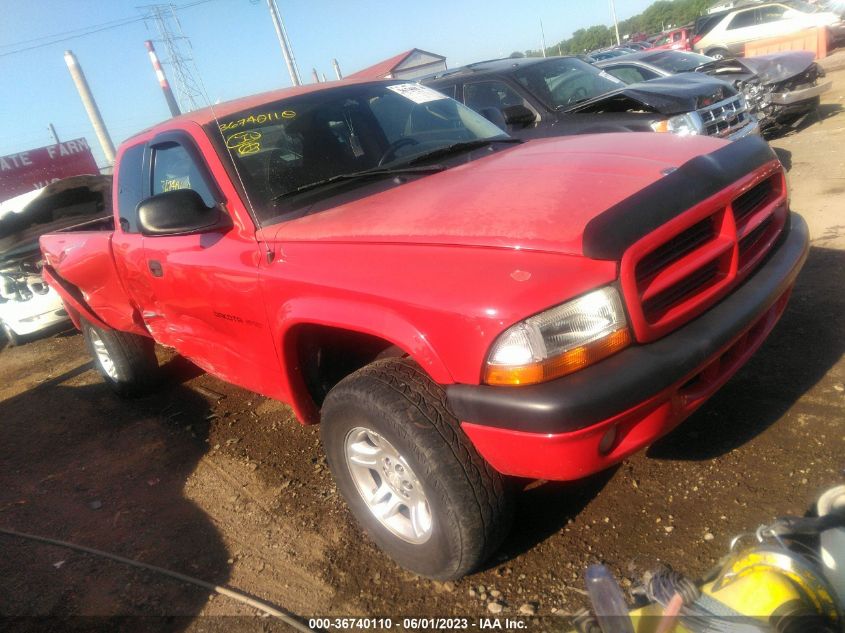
column 804, row 345
column 785, row 157
column 83, row 466
column 543, row 510
column 818, row 116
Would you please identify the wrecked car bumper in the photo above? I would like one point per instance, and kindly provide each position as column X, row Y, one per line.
column 795, row 96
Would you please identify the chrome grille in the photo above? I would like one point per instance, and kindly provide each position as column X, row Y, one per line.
column 726, row 117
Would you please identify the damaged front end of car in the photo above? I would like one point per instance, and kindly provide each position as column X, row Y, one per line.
column 690, row 105
column 781, row 89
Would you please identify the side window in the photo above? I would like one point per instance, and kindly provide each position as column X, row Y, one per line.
column 743, row 19
column 772, row 13
column 450, row 91
column 632, row 74
column 676, row 36
column 173, row 168
column 491, row 94
column 130, row 187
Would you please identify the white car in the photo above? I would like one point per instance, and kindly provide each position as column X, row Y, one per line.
column 28, row 306
column 726, row 33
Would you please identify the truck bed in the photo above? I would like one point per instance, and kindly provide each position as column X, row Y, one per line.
column 80, row 256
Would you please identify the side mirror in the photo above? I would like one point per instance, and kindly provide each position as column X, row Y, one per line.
column 495, row 116
column 177, row 212
column 518, row 115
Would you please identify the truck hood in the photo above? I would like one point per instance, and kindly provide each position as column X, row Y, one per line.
column 667, row 95
column 539, row 195
column 769, row 69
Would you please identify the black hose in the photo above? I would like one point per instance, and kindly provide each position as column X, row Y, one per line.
column 665, row 582
column 267, row 608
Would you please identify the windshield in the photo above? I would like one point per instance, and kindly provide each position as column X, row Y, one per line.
column 677, row 61
column 284, row 146
column 566, row 81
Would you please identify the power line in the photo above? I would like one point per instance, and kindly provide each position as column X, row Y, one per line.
column 110, row 23
column 89, row 30
column 65, row 39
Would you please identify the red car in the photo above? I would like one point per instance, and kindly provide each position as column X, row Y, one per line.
column 679, row 39
column 455, row 307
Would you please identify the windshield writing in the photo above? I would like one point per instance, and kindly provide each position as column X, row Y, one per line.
column 292, row 145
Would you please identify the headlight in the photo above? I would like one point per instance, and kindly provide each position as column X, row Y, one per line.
column 560, row 340
column 683, row 125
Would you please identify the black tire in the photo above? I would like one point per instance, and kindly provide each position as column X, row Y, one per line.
column 470, row 503
column 135, row 366
column 13, row 338
column 719, row 53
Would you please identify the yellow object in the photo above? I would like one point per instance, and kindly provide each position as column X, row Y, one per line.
column 756, row 583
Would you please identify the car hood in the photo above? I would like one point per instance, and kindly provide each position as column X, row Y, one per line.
column 772, row 68
column 539, row 195
column 24, row 218
column 667, row 95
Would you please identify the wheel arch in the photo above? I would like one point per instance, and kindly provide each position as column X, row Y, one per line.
column 314, row 325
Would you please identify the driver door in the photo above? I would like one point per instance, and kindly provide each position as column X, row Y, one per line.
column 204, row 297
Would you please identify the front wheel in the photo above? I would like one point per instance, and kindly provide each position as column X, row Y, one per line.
column 409, row 474
column 127, row 362
column 719, row 53
column 12, row 337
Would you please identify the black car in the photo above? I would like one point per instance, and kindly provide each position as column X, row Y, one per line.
column 781, row 89
column 538, row 97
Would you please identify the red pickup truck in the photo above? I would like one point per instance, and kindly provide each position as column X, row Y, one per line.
column 457, row 308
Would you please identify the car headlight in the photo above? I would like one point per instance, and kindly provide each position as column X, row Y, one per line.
column 687, row 124
column 560, row 340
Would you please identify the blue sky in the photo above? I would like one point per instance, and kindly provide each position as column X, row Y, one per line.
column 237, row 53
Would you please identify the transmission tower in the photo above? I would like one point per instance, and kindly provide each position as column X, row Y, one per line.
column 178, row 54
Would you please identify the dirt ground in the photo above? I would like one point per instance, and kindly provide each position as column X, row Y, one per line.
column 216, row 482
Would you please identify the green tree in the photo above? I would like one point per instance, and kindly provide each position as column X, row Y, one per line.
column 663, row 14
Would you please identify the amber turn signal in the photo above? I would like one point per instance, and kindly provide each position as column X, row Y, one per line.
column 568, row 362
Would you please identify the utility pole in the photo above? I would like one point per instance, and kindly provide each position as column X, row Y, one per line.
column 337, row 69
column 615, row 23
column 542, row 38
column 287, row 53
column 178, row 54
column 90, row 106
column 53, row 134
column 162, row 80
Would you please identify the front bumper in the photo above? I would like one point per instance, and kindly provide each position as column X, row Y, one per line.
column 41, row 312
column 753, row 127
column 580, row 424
column 794, row 96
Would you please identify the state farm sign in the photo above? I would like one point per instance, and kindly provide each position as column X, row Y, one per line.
column 37, row 168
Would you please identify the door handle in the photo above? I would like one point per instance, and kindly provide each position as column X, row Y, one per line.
column 155, row 268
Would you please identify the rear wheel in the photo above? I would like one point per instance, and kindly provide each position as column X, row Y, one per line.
column 409, row 474
column 127, row 362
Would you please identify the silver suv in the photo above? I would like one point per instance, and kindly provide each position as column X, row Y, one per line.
column 726, row 33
